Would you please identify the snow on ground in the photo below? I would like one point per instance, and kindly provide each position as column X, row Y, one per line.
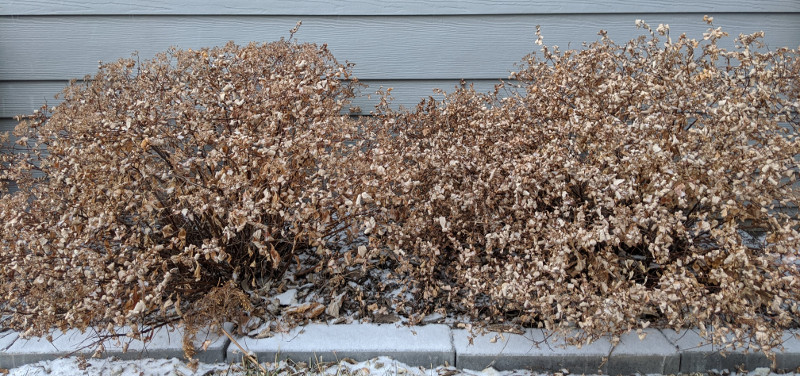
column 163, row 367
column 107, row 367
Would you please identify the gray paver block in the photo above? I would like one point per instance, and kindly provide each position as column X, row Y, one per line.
column 789, row 358
column 535, row 350
column 164, row 343
column 653, row 354
column 425, row 346
column 697, row 355
column 31, row 350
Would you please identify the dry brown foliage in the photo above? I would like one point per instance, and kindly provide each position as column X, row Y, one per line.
column 604, row 188
column 605, row 192
column 155, row 183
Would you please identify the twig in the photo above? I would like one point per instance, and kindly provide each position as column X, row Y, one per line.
column 246, row 354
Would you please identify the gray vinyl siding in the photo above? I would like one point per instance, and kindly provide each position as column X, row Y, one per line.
column 411, row 46
column 387, row 8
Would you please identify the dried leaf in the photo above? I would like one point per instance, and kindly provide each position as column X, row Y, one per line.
column 334, row 306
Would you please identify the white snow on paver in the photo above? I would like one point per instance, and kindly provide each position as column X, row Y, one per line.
column 7, row 339
column 371, row 337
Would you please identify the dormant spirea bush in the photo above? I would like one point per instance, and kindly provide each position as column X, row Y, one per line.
column 601, row 188
column 179, row 179
column 606, row 191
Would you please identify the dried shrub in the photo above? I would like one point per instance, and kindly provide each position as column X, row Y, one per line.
column 604, row 189
column 161, row 182
column 607, row 191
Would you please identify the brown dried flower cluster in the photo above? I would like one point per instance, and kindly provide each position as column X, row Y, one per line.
column 604, row 189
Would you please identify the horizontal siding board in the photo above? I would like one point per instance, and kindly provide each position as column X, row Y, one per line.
column 7, row 125
column 386, row 8
column 393, row 48
column 18, row 98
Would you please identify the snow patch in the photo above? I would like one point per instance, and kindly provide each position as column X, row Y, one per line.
column 289, row 297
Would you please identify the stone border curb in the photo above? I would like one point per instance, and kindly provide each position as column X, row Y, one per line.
column 164, row 343
column 531, row 350
column 425, row 346
column 534, row 351
column 662, row 351
column 697, row 356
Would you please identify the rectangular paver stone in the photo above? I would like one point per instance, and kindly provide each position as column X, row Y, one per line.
column 31, row 350
column 535, row 350
column 427, row 346
column 652, row 354
column 697, row 355
column 165, row 343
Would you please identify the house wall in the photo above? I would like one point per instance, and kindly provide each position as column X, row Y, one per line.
column 413, row 46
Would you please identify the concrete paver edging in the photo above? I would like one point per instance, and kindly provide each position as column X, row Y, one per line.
column 697, row 356
column 426, row 346
column 164, row 343
column 660, row 351
column 531, row 350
